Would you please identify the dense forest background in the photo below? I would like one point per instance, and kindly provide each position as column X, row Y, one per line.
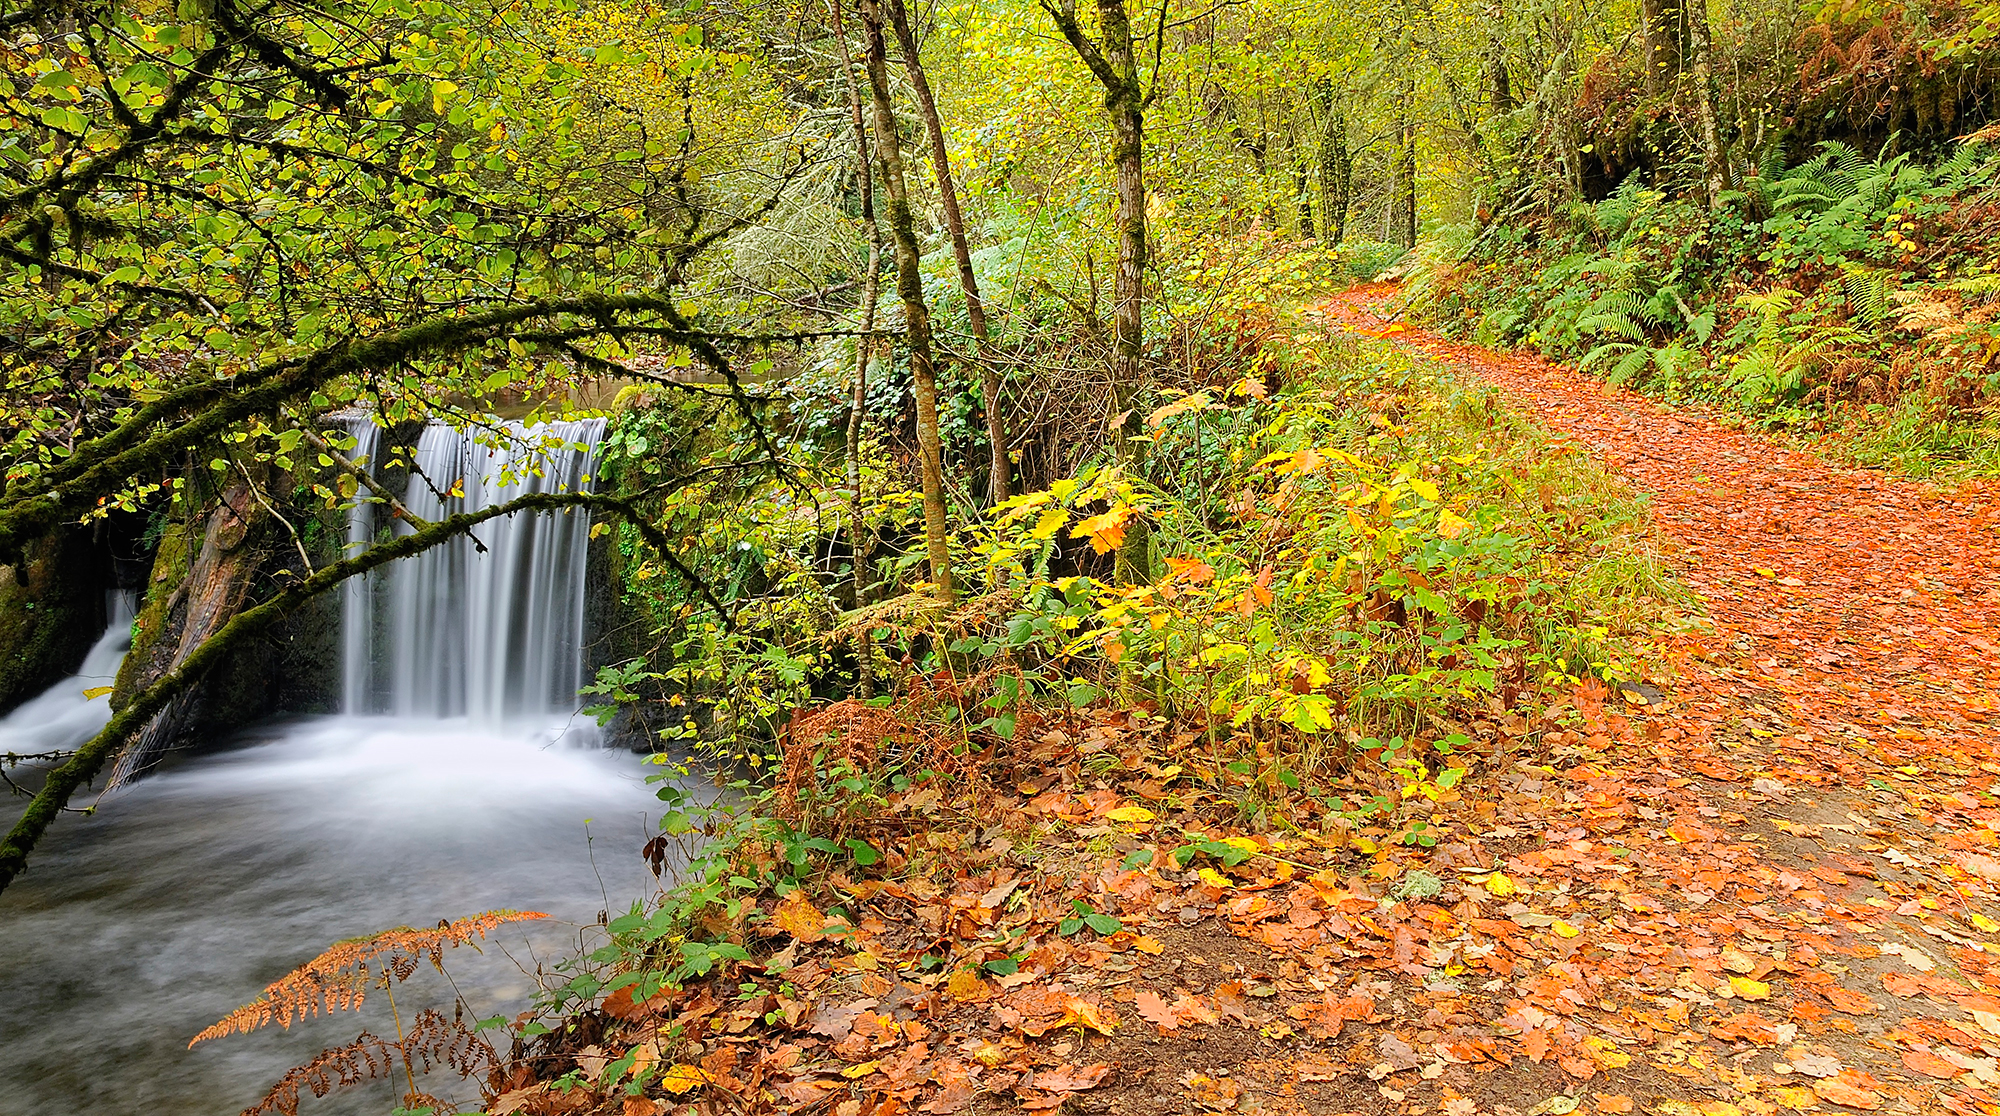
column 971, row 402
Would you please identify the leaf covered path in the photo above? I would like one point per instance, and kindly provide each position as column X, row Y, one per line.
column 1872, row 604
column 1769, row 888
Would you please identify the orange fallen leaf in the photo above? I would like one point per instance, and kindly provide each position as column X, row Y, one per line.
column 1611, row 1103
column 1840, row 1092
column 1929, row 1064
column 1156, row 1011
column 1848, row 1000
column 967, row 986
column 1082, row 1013
column 1069, row 1079
column 1795, row 1096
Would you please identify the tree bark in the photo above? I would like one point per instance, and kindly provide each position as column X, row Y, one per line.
column 1403, row 204
column 1000, row 484
column 910, row 287
column 860, row 539
column 1336, row 173
column 1714, row 152
column 1664, row 32
column 1114, row 63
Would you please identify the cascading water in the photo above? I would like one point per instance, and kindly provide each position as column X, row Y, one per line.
column 435, row 794
column 490, row 625
column 71, row 711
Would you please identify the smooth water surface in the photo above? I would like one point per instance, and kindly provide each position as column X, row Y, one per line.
column 186, row 893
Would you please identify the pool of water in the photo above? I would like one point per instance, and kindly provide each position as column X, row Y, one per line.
column 187, row 892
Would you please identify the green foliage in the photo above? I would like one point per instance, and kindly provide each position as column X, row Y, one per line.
column 1788, row 316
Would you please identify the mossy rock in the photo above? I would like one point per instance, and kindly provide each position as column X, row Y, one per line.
column 51, row 611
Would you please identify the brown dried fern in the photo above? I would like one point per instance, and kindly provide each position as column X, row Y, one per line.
column 433, row 1040
column 338, row 979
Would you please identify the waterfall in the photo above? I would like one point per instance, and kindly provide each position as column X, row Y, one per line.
column 357, row 594
column 73, row 710
column 489, row 625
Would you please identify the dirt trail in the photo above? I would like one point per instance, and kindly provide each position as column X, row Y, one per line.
column 1872, row 604
column 1771, row 891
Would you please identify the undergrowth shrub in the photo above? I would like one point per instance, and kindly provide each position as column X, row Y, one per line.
column 1822, row 298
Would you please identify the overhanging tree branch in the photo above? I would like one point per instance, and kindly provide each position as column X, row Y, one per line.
column 88, row 760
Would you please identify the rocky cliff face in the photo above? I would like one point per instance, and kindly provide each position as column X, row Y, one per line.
column 51, row 611
column 207, row 569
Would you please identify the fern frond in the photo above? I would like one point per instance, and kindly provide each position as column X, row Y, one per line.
column 1634, row 363
column 1604, row 352
column 1869, row 292
column 338, row 979
column 1612, row 325
column 434, row 1039
column 1622, row 301
column 367, row 1058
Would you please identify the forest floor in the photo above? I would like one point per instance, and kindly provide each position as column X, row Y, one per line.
column 1771, row 887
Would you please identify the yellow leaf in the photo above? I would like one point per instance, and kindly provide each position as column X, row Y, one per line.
column 1606, row 1053
column 1565, row 929
column 1985, row 924
column 1129, row 814
column 1423, row 488
column 987, row 1053
column 1499, row 886
column 862, row 1070
column 1245, row 843
column 1750, row 989
column 1763, row 571
column 1213, row 878
column 1795, row 1096
column 1451, row 525
column 1106, row 532
column 1082, row 1013
column 966, row 986
column 97, row 692
column 798, row 917
column 680, row 1079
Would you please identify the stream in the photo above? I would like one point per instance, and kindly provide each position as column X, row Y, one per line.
column 459, row 780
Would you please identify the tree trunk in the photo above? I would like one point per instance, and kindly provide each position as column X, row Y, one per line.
column 1664, row 31
column 916, row 314
column 1499, row 87
column 1336, row 167
column 1714, row 153
column 859, row 537
column 1000, row 485
column 1403, row 205
column 1117, row 70
column 1302, row 187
